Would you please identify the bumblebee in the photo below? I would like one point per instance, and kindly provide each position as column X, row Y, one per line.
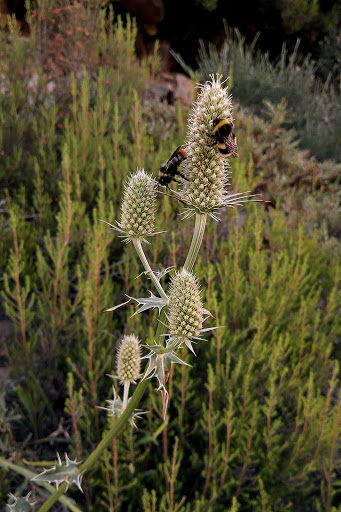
column 169, row 170
column 225, row 139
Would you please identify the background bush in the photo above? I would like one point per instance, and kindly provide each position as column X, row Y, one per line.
column 313, row 106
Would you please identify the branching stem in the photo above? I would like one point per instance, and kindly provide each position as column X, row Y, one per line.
column 199, row 229
column 104, row 444
column 150, row 273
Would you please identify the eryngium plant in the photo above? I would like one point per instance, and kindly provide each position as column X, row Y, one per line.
column 206, row 167
column 138, row 207
column 128, row 363
column 129, row 359
column 185, row 306
column 181, row 310
column 186, row 310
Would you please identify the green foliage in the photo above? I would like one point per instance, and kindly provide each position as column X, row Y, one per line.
column 254, row 423
column 296, row 15
column 306, row 190
column 330, row 56
column 313, row 107
column 302, row 15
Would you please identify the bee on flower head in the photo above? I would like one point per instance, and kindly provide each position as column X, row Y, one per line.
column 169, row 170
column 224, row 137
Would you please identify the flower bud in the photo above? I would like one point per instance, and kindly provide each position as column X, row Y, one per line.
column 138, row 206
column 185, row 306
column 129, row 358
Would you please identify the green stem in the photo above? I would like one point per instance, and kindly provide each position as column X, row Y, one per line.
column 142, row 256
column 161, row 328
column 199, row 229
column 198, row 234
column 116, row 428
column 105, row 443
column 53, row 498
column 125, row 393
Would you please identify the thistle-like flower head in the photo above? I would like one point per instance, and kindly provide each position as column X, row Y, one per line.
column 186, row 311
column 128, row 362
column 138, row 207
column 185, row 306
column 205, row 167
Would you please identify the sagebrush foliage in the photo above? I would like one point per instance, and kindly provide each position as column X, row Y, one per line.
column 255, row 423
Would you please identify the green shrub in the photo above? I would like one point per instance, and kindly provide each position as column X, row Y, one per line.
column 305, row 189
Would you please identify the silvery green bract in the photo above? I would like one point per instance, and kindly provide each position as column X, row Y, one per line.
column 160, row 361
column 59, row 473
column 116, row 408
column 21, row 504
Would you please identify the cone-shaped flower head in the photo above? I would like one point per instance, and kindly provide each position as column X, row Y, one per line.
column 138, row 206
column 206, row 168
column 185, row 306
column 129, row 358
